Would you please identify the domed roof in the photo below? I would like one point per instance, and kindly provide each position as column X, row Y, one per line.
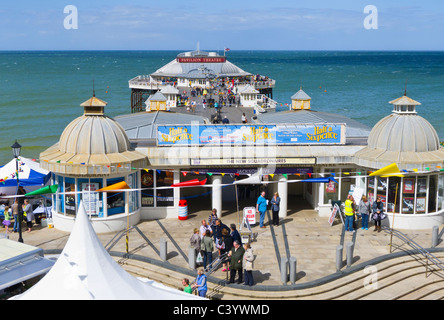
column 402, row 137
column 93, row 135
column 404, row 133
column 92, row 144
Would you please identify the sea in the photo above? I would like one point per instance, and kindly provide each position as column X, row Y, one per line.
column 41, row 91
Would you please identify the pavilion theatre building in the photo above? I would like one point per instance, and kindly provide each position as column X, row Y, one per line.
column 310, row 158
column 277, row 150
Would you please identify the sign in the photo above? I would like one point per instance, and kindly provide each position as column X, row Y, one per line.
column 90, row 198
column 333, row 214
column 254, row 134
column 252, row 161
column 250, row 215
column 357, row 195
column 201, row 59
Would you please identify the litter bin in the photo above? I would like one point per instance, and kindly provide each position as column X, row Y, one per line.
column 183, row 210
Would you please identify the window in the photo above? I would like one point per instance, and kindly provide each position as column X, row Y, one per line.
column 88, row 196
column 147, row 182
column 421, row 195
column 70, row 199
column 408, row 195
column 330, row 188
column 115, row 200
column 164, row 197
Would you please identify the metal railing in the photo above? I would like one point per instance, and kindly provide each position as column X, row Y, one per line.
column 426, row 254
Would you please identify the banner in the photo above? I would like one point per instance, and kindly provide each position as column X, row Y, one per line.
column 291, row 134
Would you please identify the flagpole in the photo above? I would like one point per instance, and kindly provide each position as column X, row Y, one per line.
column 393, row 221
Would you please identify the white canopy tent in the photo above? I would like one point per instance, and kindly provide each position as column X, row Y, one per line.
column 86, row 271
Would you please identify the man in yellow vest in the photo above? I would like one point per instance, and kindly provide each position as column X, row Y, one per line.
column 349, row 213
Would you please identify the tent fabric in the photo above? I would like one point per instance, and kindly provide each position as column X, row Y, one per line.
column 30, row 173
column 86, row 271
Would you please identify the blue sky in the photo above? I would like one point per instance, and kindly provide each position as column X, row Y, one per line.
column 239, row 25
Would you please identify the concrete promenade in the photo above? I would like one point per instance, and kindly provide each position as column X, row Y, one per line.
column 302, row 235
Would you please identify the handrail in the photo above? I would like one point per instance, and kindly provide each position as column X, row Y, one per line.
column 414, row 245
column 213, row 267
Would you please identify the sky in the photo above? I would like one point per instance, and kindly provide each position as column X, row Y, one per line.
column 236, row 24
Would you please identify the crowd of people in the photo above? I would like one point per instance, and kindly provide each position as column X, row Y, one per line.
column 366, row 211
column 211, row 236
column 12, row 213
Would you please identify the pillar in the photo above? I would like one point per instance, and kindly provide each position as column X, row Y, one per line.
column 217, row 194
column 283, row 194
column 176, row 191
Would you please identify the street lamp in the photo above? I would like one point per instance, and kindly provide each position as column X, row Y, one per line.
column 16, row 147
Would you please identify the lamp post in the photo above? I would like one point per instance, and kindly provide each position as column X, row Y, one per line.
column 16, row 148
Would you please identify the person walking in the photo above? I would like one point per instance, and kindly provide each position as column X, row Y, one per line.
column 207, row 248
column 364, row 210
column 349, row 214
column 224, row 245
column 203, row 228
column 247, row 264
column 28, row 214
column 201, row 283
column 236, row 254
column 195, row 242
column 275, row 202
column 234, row 233
column 261, row 207
column 217, row 231
column 15, row 213
column 212, row 220
column 378, row 211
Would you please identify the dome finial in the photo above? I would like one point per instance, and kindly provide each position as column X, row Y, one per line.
column 94, row 90
column 405, row 89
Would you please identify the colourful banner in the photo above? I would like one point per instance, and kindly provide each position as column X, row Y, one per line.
column 307, row 134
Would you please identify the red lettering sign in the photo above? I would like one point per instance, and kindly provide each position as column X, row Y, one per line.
column 201, row 60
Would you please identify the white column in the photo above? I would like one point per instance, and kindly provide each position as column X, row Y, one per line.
column 283, row 194
column 176, row 191
column 217, row 194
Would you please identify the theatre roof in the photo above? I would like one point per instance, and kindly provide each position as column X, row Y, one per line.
column 199, row 69
column 142, row 126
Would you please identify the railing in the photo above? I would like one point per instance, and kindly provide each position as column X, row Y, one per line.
column 145, row 82
column 430, row 257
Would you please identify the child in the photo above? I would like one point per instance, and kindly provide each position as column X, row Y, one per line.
column 7, row 221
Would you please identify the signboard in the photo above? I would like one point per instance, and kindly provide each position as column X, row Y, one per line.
column 357, row 195
column 90, row 198
column 252, row 161
column 250, row 215
column 201, row 60
column 333, row 214
column 291, row 134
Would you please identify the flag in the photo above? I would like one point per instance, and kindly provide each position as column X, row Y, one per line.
column 390, row 170
column 227, row 49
